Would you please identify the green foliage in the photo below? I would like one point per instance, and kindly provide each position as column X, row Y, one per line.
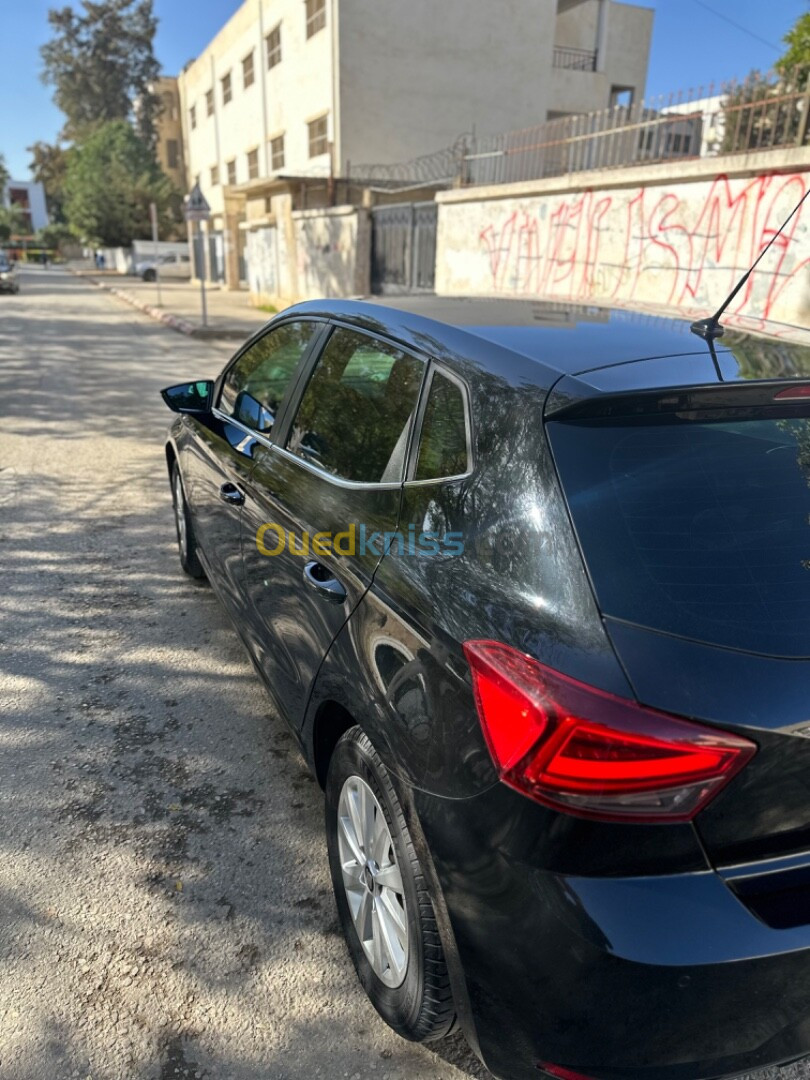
column 766, row 110
column 4, row 176
column 13, row 222
column 797, row 57
column 111, row 180
column 99, row 61
column 56, row 236
column 762, row 112
column 49, row 167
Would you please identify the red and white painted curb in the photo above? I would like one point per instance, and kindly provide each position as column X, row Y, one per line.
column 183, row 326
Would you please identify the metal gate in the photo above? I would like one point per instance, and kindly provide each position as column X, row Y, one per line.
column 403, row 247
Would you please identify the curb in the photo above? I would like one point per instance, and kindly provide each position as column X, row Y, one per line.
column 175, row 322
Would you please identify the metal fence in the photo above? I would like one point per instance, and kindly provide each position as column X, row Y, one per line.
column 764, row 111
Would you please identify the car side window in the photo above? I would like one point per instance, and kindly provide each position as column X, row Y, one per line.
column 355, row 415
column 255, row 386
column 443, row 450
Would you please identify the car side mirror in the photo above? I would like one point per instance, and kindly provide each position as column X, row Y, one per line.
column 189, row 397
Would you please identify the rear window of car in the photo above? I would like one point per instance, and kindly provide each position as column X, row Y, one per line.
column 696, row 529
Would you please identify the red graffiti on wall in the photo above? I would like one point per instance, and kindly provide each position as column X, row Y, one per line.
column 673, row 251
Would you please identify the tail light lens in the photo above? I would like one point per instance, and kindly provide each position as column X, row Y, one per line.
column 586, row 752
column 561, row 1072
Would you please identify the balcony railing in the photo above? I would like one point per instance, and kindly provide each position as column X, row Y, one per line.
column 574, row 59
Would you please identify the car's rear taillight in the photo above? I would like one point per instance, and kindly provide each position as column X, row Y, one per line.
column 561, row 1072
column 586, row 752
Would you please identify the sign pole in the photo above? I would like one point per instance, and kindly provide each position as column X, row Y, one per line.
column 202, row 273
column 153, row 215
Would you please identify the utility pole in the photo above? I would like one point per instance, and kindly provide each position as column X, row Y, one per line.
column 153, row 216
column 196, row 208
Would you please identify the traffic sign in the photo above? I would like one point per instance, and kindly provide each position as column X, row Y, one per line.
column 195, row 207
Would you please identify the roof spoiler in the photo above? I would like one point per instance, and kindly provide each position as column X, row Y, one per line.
column 572, row 399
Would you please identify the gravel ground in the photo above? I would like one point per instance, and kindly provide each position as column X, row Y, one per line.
column 165, row 908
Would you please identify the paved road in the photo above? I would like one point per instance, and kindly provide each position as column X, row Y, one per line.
column 165, row 908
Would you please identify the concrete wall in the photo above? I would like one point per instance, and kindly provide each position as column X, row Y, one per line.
column 679, row 236
column 414, row 76
column 118, row 259
column 309, row 254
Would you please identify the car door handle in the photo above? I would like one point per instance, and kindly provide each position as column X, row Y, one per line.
column 319, row 578
column 230, row 494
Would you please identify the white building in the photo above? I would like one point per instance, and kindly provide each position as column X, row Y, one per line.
column 29, row 197
column 303, row 88
column 709, row 117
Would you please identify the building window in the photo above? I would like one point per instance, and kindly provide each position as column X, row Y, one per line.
column 318, row 136
column 192, row 116
column 209, row 102
column 227, row 93
column 253, row 164
column 214, row 175
column 273, row 42
column 277, row 153
column 231, row 167
column 316, row 16
column 247, row 70
column 169, row 110
column 172, row 153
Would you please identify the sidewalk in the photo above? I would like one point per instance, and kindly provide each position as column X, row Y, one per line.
column 229, row 313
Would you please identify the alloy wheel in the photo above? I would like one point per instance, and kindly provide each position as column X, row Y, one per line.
column 373, row 881
column 180, row 513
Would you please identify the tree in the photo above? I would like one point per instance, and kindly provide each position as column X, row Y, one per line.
column 111, row 180
column 55, row 236
column 49, row 167
column 796, row 60
column 4, row 178
column 99, row 62
column 13, row 222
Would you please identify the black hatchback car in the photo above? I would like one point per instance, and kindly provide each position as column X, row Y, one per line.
column 532, row 588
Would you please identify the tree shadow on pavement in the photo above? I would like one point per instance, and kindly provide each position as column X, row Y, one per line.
column 165, row 904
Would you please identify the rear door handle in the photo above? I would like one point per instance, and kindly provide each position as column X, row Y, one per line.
column 230, row 494
column 319, row 578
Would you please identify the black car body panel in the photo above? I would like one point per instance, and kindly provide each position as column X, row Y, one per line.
column 609, row 948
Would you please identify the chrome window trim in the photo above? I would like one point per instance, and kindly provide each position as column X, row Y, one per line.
column 445, row 372
column 263, row 439
column 336, row 480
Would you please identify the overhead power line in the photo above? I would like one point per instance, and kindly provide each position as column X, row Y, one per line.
column 739, row 26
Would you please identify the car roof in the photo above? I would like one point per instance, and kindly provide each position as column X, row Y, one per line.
column 606, row 349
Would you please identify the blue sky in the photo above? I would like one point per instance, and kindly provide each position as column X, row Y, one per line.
column 692, row 46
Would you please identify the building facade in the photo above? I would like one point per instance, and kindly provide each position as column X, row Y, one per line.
column 169, row 145
column 292, row 90
column 29, row 197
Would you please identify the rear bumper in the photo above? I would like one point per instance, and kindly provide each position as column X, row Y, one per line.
column 647, row 977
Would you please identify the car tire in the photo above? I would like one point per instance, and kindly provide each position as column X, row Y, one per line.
column 184, row 526
column 407, row 981
column 149, row 275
